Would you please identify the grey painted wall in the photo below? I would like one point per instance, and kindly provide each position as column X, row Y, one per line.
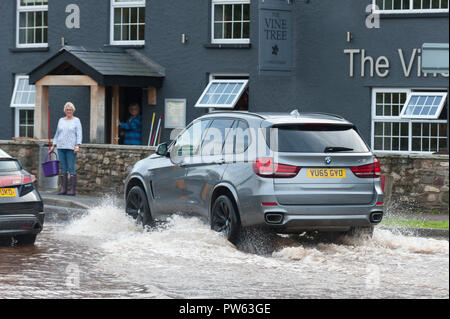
column 320, row 80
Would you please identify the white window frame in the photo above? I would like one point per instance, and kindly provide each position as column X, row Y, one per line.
column 130, row 4
column 227, row 41
column 16, row 85
column 17, row 120
column 20, row 9
column 421, row 137
column 235, row 100
column 410, row 10
column 399, row 119
column 218, row 76
column 424, row 117
column 19, row 107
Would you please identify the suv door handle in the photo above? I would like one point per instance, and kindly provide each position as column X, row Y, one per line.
column 217, row 162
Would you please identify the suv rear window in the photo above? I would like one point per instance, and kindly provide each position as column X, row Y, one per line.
column 316, row 138
column 9, row 166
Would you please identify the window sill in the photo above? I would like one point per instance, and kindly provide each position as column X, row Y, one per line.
column 411, row 154
column 19, row 50
column 125, row 46
column 228, row 45
column 413, row 15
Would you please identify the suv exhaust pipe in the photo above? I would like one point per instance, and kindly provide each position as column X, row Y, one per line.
column 274, row 218
column 376, row 217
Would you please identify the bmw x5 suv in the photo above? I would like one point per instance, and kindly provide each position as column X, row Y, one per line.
column 287, row 172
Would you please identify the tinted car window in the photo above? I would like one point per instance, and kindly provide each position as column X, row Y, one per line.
column 228, row 147
column 188, row 143
column 9, row 166
column 316, row 138
column 242, row 137
column 215, row 136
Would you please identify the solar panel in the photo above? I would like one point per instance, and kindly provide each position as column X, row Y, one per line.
column 424, row 105
column 222, row 93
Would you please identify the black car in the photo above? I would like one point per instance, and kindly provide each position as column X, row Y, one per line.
column 21, row 206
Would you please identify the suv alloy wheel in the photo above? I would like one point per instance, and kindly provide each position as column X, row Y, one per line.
column 137, row 206
column 224, row 218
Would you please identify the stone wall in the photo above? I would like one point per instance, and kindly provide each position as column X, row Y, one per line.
column 413, row 182
column 102, row 169
column 26, row 152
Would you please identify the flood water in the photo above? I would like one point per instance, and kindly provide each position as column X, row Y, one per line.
column 103, row 254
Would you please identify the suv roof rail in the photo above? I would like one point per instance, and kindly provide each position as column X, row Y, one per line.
column 328, row 114
column 238, row 112
column 262, row 116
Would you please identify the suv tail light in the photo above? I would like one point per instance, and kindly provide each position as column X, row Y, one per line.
column 16, row 180
column 383, row 182
column 368, row 171
column 266, row 167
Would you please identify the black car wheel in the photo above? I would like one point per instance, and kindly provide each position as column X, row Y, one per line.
column 224, row 218
column 137, row 206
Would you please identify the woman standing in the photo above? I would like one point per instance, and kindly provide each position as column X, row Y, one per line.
column 67, row 140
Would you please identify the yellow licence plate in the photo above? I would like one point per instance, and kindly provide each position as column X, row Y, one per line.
column 326, row 173
column 7, row 192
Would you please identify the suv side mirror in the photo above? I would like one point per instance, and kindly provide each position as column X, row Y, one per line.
column 162, row 149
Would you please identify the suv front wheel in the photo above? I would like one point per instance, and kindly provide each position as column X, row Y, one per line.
column 137, row 206
column 224, row 218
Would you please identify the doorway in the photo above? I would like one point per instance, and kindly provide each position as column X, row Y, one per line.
column 118, row 101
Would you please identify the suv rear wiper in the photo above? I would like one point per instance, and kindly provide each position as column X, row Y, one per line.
column 333, row 149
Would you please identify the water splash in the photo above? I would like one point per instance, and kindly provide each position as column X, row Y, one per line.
column 183, row 257
column 105, row 222
column 109, row 224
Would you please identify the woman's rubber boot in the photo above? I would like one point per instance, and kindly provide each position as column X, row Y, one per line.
column 63, row 184
column 73, row 185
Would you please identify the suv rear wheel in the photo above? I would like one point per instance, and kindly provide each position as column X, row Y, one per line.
column 137, row 206
column 224, row 218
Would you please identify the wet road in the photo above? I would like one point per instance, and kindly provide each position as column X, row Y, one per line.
column 105, row 255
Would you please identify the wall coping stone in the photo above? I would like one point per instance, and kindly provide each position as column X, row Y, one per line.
column 414, row 156
column 119, row 147
column 102, row 146
column 153, row 148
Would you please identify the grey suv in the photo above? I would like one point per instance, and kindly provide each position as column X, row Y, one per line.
column 287, row 172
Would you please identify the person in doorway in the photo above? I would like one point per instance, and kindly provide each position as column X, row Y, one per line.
column 67, row 140
column 132, row 128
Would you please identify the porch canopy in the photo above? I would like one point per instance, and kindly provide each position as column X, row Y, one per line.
column 96, row 68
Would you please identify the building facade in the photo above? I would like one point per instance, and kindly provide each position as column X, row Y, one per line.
column 360, row 59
